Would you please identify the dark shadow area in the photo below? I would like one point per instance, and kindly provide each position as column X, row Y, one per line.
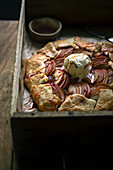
column 10, row 10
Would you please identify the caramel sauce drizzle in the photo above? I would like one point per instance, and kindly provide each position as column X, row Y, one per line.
column 32, row 74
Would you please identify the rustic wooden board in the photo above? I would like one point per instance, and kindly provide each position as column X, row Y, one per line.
column 8, row 33
column 85, row 138
column 37, row 135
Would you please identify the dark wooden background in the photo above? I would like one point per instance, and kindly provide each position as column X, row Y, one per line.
column 10, row 10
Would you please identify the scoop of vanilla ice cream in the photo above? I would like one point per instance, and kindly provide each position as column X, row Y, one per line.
column 77, row 65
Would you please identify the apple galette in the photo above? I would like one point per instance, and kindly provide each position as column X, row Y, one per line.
column 71, row 75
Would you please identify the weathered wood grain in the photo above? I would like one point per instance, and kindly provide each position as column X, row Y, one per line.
column 8, row 32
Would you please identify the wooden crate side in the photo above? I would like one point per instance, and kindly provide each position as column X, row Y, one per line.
column 72, row 12
column 17, row 67
column 66, row 134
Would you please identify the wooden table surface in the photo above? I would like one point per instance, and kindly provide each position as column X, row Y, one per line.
column 8, row 34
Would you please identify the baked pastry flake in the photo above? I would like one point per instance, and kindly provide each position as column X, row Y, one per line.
column 105, row 100
column 35, row 80
column 77, row 102
column 44, row 97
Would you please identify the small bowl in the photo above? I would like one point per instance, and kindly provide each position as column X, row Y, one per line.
column 44, row 29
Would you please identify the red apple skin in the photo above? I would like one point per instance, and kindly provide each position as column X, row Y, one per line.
column 100, row 62
column 63, row 82
column 64, row 79
column 58, row 91
column 88, row 90
column 80, row 88
column 50, row 67
column 64, row 53
column 58, row 80
column 59, row 62
column 59, row 59
column 67, row 83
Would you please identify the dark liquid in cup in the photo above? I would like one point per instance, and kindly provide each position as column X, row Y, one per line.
column 44, row 28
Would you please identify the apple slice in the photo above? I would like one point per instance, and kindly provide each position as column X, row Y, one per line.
column 80, row 88
column 101, row 65
column 72, row 89
column 59, row 62
column 59, row 59
column 106, row 76
column 62, row 79
column 50, row 67
column 58, row 76
column 101, row 57
column 98, row 75
column 95, row 76
column 60, row 54
column 105, row 65
column 89, row 53
column 67, row 82
column 100, row 62
column 61, row 92
column 87, row 90
column 101, row 84
column 64, row 53
column 68, row 52
column 77, row 89
column 58, row 91
column 95, row 95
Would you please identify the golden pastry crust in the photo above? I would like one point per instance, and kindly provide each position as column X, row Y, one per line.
column 44, row 97
column 90, row 46
column 105, row 100
column 107, row 47
column 34, row 66
column 40, row 56
column 77, row 102
column 65, row 43
column 49, row 50
column 35, row 80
